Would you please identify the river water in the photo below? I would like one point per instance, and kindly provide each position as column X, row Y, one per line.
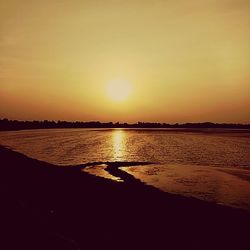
column 210, row 165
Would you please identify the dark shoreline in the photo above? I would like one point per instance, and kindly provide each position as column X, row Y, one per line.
column 50, row 207
column 7, row 125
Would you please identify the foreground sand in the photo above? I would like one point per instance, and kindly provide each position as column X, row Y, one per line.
column 49, row 207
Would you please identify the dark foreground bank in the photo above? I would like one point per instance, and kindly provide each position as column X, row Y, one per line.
column 49, row 207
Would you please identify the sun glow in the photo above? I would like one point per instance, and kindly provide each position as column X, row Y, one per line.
column 119, row 90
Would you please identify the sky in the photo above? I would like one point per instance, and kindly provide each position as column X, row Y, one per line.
column 128, row 61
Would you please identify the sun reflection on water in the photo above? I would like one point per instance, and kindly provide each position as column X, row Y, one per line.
column 118, row 137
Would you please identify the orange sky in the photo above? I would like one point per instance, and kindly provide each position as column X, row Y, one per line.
column 182, row 61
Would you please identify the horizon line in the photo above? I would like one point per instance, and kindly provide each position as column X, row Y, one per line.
column 121, row 123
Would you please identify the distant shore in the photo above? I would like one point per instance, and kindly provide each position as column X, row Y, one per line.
column 49, row 207
column 6, row 124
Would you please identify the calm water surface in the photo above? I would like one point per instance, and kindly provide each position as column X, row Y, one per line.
column 208, row 166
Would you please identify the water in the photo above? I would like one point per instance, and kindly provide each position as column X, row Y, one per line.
column 212, row 166
column 77, row 146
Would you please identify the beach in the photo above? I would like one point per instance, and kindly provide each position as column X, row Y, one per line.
column 49, row 207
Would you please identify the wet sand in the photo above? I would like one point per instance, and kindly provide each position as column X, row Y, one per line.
column 50, row 207
column 229, row 186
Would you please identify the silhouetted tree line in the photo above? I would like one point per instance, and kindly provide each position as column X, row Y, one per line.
column 6, row 124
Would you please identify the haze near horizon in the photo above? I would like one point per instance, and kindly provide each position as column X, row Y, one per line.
column 159, row 61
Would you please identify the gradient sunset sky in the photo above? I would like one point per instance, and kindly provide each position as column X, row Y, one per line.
column 175, row 60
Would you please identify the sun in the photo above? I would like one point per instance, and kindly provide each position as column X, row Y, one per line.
column 119, row 90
